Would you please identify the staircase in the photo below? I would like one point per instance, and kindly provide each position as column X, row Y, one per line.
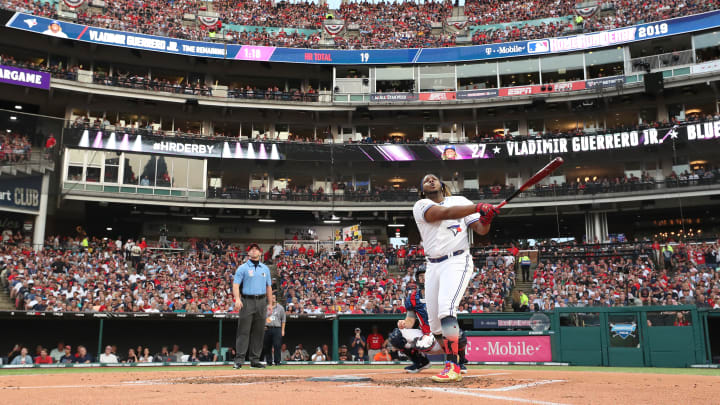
column 6, row 304
column 526, row 286
column 458, row 11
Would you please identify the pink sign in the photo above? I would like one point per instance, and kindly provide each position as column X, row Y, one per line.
column 257, row 53
column 509, row 348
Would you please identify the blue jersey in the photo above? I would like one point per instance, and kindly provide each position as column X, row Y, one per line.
column 416, row 302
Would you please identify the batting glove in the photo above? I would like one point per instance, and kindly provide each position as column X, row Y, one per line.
column 487, row 212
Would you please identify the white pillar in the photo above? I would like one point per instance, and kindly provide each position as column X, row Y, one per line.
column 41, row 218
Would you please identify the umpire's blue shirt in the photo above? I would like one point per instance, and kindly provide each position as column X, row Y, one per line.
column 253, row 278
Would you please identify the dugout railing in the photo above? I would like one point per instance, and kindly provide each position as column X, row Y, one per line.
column 653, row 336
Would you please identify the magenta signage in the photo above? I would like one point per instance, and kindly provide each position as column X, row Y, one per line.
column 254, row 52
column 24, row 77
column 509, row 348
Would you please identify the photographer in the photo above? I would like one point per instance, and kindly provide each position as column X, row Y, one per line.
column 357, row 342
column 298, row 355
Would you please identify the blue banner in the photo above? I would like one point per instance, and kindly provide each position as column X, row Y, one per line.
column 580, row 42
column 21, row 193
column 85, row 33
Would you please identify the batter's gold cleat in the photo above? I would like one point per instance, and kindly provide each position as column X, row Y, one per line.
column 451, row 373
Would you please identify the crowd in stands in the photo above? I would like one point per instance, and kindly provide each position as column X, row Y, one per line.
column 56, row 70
column 64, row 354
column 98, row 275
column 14, row 148
column 144, row 82
column 579, row 186
column 363, row 348
column 273, row 93
column 638, row 273
column 81, row 274
column 615, row 14
column 404, row 24
column 381, row 25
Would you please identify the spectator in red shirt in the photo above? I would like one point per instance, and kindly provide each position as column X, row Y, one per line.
column 43, row 358
column 401, row 253
column 680, row 320
column 50, row 145
column 375, row 342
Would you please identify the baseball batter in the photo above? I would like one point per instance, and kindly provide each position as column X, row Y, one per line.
column 443, row 221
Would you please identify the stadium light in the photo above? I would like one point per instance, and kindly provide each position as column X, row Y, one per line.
column 108, row 229
column 331, row 221
column 396, row 225
column 13, row 118
column 267, row 220
column 200, row 218
column 18, row 107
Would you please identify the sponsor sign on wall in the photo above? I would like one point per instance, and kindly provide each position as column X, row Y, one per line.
column 541, row 89
column 24, row 77
column 476, row 94
column 21, row 193
column 438, row 96
column 692, row 133
column 393, row 97
column 509, row 348
column 604, row 82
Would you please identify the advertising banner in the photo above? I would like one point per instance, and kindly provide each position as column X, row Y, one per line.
column 509, row 348
column 476, row 94
column 21, row 193
column 542, row 89
column 605, row 82
column 614, row 37
column 86, row 33
column 500, row 323
column 176, row 146
column 706, row 67
column 24, row 77
column 393, row 97
column 691, row 133
column 438, row 96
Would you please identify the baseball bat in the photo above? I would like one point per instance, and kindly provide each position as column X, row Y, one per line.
column 541, row 174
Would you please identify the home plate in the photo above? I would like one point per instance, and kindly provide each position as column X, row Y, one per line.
column 340, row 378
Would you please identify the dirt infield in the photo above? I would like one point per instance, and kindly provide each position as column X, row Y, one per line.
column 283, row 385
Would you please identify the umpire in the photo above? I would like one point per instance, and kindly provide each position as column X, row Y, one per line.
column 274, row 332
column 252, row 305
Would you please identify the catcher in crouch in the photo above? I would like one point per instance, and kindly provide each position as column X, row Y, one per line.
column 416, row 343
column 443, row 221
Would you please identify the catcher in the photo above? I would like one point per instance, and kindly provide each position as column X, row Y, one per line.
column 416, row 343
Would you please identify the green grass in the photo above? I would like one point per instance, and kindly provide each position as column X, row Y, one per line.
column 641, row 370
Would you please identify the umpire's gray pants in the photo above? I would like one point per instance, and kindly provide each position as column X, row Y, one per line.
column 251, row 329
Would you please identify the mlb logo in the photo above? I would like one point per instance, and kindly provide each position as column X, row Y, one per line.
column 539, row 46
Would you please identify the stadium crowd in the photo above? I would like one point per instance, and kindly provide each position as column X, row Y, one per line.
column 381, row 25
column 625, row 274
column 90, row 274
column 14, row 148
